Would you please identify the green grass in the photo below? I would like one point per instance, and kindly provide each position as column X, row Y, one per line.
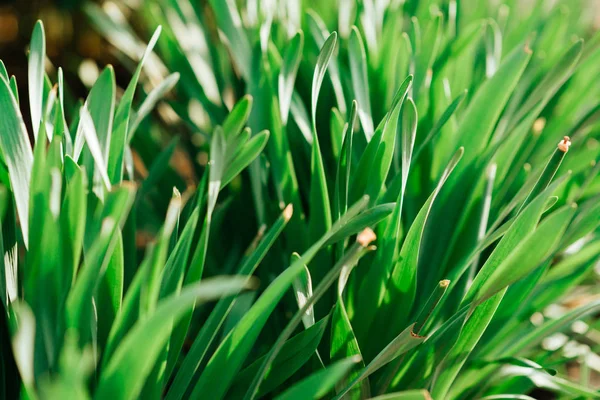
column 297, row 201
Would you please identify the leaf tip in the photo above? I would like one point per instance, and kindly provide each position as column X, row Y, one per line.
column 288, row 212
column 564, row 144
column 365, row 237
column 356, row 358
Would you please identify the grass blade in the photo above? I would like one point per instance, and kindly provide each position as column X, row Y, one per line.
column 14, row 143
column 320, row 383
column 124, row 375
column 36, row 61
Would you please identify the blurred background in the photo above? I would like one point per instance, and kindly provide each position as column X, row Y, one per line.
column 74, row 44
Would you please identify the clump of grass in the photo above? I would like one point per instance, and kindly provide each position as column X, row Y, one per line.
column 395, row 199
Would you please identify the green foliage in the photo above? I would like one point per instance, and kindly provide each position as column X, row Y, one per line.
column 378, row 196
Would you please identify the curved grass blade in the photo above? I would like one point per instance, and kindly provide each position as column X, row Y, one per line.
column 303, row 291
column 360, row 81
column 530, row 253
column 123, row 117
column 14, row 143
column 344, row 165
column 404, row 342
column 294, row 354
column 407, row 395
column 230, row 26
column 287, row 75
column 79, row 301
column 151, row 100
column 320, row 210
column 318, row 31
column 402, row 283
column 209, row 330
column 87, row 132
column 36, row 60
column 437, row 128
column 368, row 161
column 488, row 102
column 320, row 68
column 549, row 171
column 369, row 217
column 101, row 106
column 343, row 340
column 320, row 383
column 350, row 258
column 14, row 88
column 245, row 156
column 124, row 376
column 237, row 118
column 234, row 349
column 3, row 71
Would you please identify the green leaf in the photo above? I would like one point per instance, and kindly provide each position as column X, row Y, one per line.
column 488, row 102
column 304, row 291
column 120, row 134
column 350, row 258
column 344, row 165
column 237, row 118
column 234, row 349
column 14, row 143
column 402, row 284
column 522, row 362
column 3, row 71
column 124, row 375
column 320, row 383
column 368, row 218
column 294, row 354
column 23, row 326
column 379, row 145
column 320, row 216
column 230, row 24
column 520, row 228
column 343, row 340
column 319, row 32
column 470, row 335
column 287, row 75
column 87, row 132
column 73, row 219
column 164, row 87
column 532, row 250
column 79, row 301
column 36, row 61
column 248, row 153
column 437, row 128
column 549, row 171
column 407, row 395
column 402, row 343
column 101, row 105
column 422, row 318
column 14, row 88
column 209, row 330
column 320, row 68
column 360, row 82
column 553, row 80
column 407, row 125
